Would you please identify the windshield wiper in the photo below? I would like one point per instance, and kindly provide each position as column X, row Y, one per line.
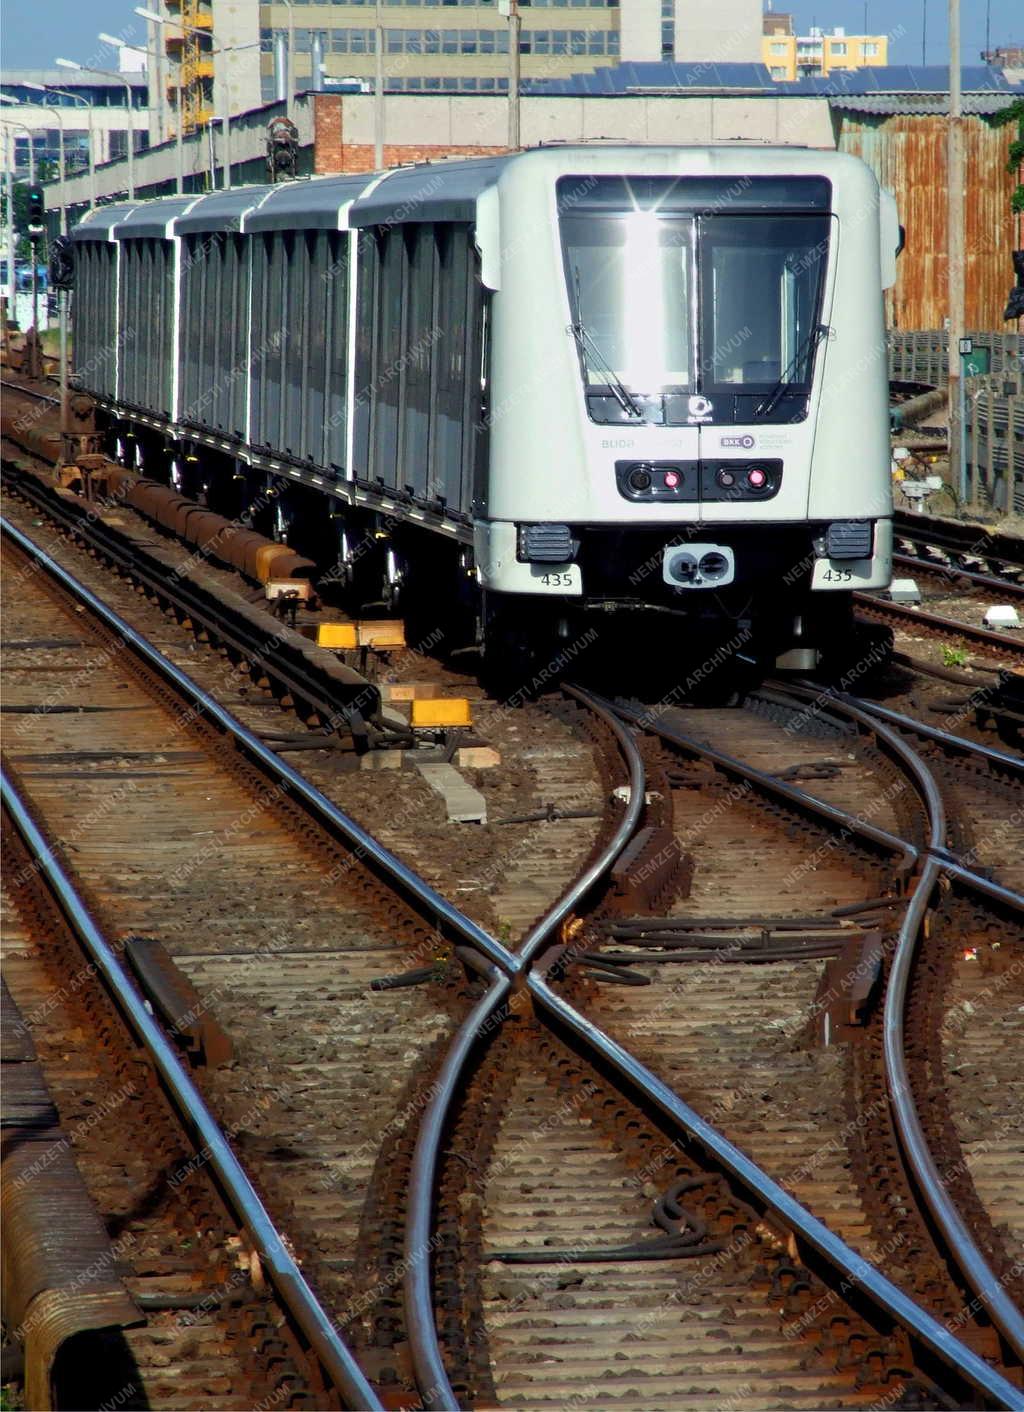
column 813, row 338
column 583, row 336
column 622, row 395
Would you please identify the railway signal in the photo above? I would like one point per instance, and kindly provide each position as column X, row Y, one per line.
column 36, row 211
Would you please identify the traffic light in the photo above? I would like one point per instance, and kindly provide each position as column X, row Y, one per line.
column 36, row 206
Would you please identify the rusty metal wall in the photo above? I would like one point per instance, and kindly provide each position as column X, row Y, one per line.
column 908, row 154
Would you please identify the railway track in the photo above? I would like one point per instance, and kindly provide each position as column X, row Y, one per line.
column 526, row 1330
column 411, row 1142
column 915, row 620
column 688, row 1043
column 966, row 547
column 276, row 923
column 955, row 560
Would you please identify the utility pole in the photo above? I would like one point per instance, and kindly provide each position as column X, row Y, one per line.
column 378, row 90
column 955, row 257
column 510, row 9
column 12, row 282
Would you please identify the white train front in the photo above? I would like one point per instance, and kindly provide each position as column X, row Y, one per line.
column 632, row 379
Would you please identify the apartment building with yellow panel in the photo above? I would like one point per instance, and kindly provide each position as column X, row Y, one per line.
column 789, row 56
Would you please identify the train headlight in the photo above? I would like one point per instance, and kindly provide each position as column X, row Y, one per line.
column 698, row 565
column 640, row 478
column 713, row 567
column 757, row 478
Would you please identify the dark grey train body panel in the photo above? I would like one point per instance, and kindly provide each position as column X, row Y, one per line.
column 146, row 324
column 94, row 301
column 419, row 314
column 213, row 333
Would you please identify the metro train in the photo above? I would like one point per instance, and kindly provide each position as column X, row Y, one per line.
column 630, row 380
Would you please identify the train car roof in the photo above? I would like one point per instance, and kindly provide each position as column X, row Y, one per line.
column 435, row 191
column 99, row 224
column 319, row 204
column 220, row 210
column 429, row 191
column 152, row 218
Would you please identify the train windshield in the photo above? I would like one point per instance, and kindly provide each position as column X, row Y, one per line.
column 631, row 282
column 720, row 303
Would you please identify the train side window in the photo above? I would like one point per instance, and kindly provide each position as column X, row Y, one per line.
column 147, row 313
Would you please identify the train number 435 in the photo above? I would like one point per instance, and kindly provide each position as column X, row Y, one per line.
column 557, row 580
column 838, row 575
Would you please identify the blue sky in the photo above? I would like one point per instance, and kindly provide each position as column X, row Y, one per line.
column 35, row 31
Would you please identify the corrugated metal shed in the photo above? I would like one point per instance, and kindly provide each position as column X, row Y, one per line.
column 974, row 104
column 907, row 152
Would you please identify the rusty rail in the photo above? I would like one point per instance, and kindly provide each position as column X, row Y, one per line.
column 507, row 970
column 202, row 1127
column 432, row 1379
column 972, row 1264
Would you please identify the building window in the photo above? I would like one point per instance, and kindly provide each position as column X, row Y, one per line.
column 871, row 51
column 839, row 49
column 353, row 41
column 778, row 71
column 779, row 48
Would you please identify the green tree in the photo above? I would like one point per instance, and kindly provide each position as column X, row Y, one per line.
column 1015, row 155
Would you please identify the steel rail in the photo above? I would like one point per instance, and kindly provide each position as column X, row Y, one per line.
column 948, row 861
column 984, row 637
column 431, row 1377
column 881, row 1290
column 858, row 1271
column 969, row 1259
column 887, row 1295
column 365, row 845
column 988, row 582
column 648, row 721
column 208, row 1138
column 543, row 929
column 30, row 392
column 358, row 706
column 850, row 823
column 979, row 540
column 1001, row 758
